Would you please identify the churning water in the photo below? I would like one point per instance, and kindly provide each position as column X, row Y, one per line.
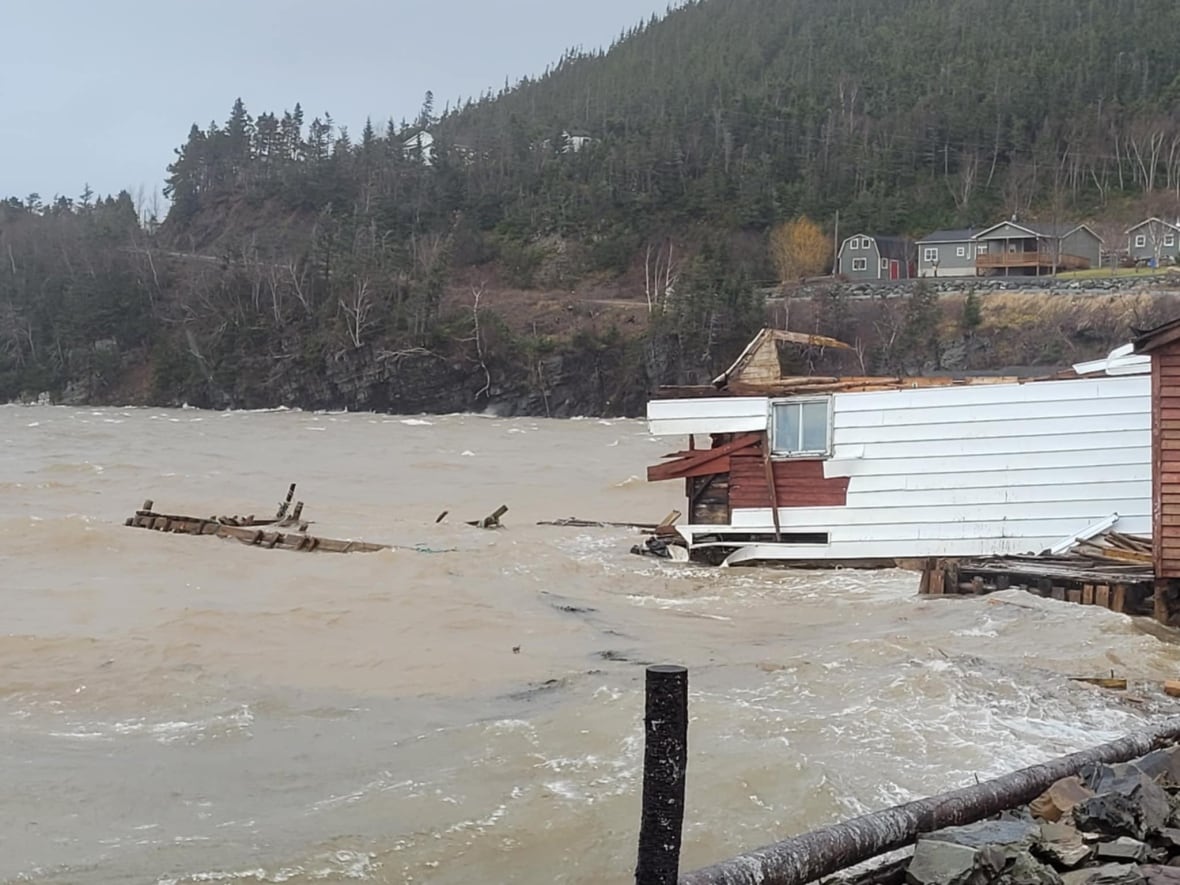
column 177, row 709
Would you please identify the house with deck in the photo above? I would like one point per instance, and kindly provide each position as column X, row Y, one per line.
column 864, row 258
column 1013, row 248
column 870, row 470
column 1154, row 241
column 947, row 253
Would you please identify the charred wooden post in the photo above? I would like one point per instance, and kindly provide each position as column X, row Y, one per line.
column 665, row 757
column 285, row 505
column 828, row 850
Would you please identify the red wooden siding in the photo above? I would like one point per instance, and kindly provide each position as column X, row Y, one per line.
column 798, row 482
column 1165, row 422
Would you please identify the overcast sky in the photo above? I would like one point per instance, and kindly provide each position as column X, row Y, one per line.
column 102, row 91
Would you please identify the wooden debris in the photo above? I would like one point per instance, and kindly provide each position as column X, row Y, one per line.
column 1102, row 682
column 664, row 528
column 259, row 532
column 1113, row 571
column 1172, row 688
column 492, row 520
column 297, row 541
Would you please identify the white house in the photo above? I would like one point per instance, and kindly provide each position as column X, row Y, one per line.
column 419, row 146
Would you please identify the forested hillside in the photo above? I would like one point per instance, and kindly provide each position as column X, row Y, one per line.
column 295, row 250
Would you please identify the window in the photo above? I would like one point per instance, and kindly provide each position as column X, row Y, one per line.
column 1140, row 241
column 1169, row 239
column 884, row 264
column 854, row 243
column 801, row 427
column 981, row 249
column 930, row 253
column 961, row 251
column 866, row 243
column 860, row 264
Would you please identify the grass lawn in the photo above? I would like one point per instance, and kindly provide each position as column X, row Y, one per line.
column 1100, row 272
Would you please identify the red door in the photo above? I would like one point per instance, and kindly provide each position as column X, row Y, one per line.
column 894, row 271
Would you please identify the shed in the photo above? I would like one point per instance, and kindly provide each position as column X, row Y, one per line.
column 1162, row 344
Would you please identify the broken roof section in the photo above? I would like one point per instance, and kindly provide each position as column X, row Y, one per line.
column 1147, row 340
column 758, row 372
column 759, row 361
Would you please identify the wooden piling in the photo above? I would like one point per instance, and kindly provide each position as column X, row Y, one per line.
column 665, row 757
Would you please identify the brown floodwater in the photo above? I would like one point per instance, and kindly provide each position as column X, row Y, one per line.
column 177, row 709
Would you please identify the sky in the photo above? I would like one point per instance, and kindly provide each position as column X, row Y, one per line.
column 102, row 91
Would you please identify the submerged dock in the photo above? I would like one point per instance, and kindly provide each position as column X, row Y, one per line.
column 1114, row 572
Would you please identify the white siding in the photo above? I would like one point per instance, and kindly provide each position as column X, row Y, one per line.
column 721, row 414
column 974, row 470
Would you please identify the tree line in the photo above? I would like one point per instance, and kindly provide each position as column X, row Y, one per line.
column 667, row 158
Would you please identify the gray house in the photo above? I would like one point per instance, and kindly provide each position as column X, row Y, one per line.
column 947, row 253
column 1154, row 241
column 864, row 258
column 1013, row 248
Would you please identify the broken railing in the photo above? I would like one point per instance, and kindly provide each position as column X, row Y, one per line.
column 832, row 849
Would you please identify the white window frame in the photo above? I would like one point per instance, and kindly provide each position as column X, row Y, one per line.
column 777, row 453
column 854, row 243
column 930, row 254
column 884, row 264
column 866, row 243
column 1169, row 240
column 1140, row 240
column 981, row 248
column 960, row 251
column 860, row 264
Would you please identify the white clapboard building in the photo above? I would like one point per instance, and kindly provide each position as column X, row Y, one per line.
column 880, row 469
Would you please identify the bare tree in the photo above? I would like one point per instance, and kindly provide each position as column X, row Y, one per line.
column 357, row 304
column 477, row 339
column 659, row 278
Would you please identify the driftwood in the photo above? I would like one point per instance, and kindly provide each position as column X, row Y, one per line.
column 297, row 541
column 828, row 850
column 258, row 532
column 492, row 520
column 254, row 534
column 665, row 526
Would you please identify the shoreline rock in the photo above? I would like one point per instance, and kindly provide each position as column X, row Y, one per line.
column 1110, row 825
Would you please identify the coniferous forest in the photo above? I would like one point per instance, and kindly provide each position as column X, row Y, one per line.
column 583, row 235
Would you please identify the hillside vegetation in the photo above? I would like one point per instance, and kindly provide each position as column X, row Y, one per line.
column 649, row 172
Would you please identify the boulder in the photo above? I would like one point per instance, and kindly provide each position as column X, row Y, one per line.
column 1108, row 874
column 1060, row 798
column 1127, row 805
column 943, row 863
column 995, row 852
column 1123, row 849
column 1170, row 837
column 1062, row 845
column 1155, row 874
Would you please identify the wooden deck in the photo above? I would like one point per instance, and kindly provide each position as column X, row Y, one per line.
column 1046, row 260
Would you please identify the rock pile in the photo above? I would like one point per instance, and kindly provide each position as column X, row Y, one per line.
column 1111, row 825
